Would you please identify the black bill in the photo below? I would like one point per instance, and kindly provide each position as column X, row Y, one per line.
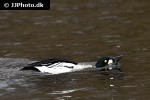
column 116, row 59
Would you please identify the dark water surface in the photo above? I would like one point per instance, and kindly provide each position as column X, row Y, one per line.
column 82, row 31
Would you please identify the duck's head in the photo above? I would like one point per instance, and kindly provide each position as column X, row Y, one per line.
column 108, row 63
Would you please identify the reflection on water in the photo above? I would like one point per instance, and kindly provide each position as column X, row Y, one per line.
column 81, row 31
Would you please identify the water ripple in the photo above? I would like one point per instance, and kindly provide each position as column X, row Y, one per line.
column 67, row 91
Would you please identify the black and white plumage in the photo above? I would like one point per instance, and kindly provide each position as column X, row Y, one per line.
column 55, row 66
column 58, row 66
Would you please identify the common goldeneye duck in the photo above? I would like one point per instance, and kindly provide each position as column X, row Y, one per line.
column 108, row 63
column 58, row 66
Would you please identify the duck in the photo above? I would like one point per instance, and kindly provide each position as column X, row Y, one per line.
column 58, row 66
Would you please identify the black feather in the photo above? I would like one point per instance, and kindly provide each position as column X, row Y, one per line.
column 30, row 68
column 50, row 62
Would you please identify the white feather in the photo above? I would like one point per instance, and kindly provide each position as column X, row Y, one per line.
column 62, row 67
column 110, row 61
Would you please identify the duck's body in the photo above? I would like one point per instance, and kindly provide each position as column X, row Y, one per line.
column 58, row 66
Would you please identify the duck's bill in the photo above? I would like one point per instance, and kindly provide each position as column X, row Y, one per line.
column 117, row 59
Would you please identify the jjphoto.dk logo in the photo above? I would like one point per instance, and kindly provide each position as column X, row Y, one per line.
column 7, row 5
column 25, row 5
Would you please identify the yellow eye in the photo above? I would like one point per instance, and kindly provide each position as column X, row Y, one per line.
column 105, row 61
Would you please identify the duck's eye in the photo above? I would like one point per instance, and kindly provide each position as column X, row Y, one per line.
column 105, row 61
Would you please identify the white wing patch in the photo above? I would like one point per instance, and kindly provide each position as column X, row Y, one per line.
column 62, row 67
column 57, row 68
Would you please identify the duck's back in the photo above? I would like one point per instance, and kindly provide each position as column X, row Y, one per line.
column 51, row 65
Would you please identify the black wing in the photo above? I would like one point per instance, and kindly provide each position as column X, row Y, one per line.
column 47, row 62
column 50, row 62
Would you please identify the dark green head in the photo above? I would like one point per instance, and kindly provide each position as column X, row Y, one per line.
column 108, row 62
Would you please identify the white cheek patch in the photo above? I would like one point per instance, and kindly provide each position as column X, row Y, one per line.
column 110, row 61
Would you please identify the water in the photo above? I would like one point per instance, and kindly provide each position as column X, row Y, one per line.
column 81, row 31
